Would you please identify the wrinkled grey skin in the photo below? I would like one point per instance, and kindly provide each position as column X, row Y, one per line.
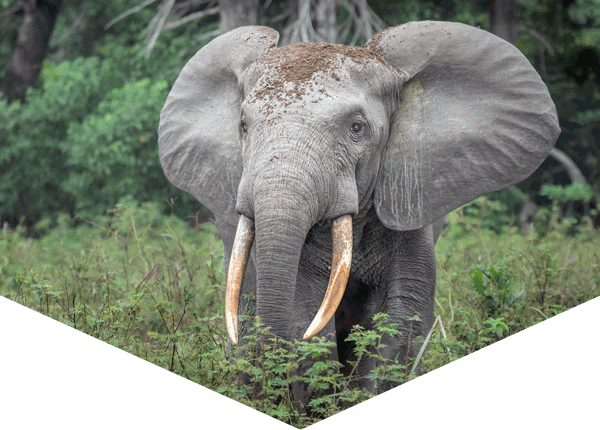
column 441, row 114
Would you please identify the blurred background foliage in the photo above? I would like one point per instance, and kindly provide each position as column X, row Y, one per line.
column 83, row 84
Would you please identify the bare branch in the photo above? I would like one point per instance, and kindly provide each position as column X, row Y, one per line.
column 538, row 37
column 365, row 23
column 162, row 16
column 128, row 12
column 210, row 34
column 300, row 30
column 191, row 17
column 145, row 33
column 282, row 16
column 326, row 25
column 182, row 8
column 567, row 162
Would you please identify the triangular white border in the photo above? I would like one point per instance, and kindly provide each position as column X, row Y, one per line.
column 52, row 376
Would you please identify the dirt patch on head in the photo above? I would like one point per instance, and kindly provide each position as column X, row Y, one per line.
column 288, row 73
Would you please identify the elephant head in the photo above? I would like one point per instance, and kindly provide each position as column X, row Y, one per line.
column 279, row 141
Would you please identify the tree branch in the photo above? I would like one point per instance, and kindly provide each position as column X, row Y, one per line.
column 128, row 12
column 573, row 171
column 162, row 16
column 365, row 21
column 301, row 30
column 538, row 37
column 182, row 8
column 191, row 17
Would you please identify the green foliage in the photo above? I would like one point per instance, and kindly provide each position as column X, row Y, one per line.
column 148, row 284
column 563, row 194
column 31, row 160
column 493, row 287
column 583, row 11
column 86, row 135
column 85, row 142
column 495, row 212
column 115, row 147
column 561, row 213
column 93, row 73
column 86, row 128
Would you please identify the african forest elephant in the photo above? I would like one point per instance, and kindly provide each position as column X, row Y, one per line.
column 326, row 165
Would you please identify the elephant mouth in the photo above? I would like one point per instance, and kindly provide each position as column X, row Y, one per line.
column 340, row 271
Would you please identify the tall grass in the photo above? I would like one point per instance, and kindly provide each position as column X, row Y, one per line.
column 150, row 285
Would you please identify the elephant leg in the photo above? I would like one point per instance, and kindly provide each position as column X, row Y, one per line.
column 404, row 290
column 409, row 297
column 398, row 300
column 437, row 228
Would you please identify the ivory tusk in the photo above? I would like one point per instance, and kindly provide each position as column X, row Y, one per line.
column 240, row 253
column 340, row 271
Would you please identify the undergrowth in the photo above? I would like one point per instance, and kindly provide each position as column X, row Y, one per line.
column 150, row 285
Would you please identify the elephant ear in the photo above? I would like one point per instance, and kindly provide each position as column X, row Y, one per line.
column 473, row 117
column 198, row 134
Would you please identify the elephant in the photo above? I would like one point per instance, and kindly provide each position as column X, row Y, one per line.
column 330, row 168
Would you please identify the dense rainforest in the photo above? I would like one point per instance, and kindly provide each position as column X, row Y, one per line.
column 82, row 84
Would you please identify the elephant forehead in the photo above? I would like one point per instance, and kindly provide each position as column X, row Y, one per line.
column 306, row 73
column 299, row 62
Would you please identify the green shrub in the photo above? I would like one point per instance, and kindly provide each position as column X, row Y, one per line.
column 86, row 136
column 148, row 284
column 114, row 150
column 31, row 159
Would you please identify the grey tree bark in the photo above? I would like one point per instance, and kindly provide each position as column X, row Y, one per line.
column 31, row 48
column 567, row 162
column 503, row 22
column 237, row 13
column 326, row 20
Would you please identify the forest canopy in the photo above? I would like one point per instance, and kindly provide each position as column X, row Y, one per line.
column 82, row 85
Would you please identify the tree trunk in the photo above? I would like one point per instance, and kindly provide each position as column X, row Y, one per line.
column 503, row 22
column 238, row 13
column 31, row 48
column 326, row 20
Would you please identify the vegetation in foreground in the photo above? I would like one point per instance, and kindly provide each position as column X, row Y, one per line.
column 148, row 284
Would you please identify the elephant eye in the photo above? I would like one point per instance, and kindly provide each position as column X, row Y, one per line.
column 244, row 126
column 356, row 128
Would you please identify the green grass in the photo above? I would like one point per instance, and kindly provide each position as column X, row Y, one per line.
column 150, row 285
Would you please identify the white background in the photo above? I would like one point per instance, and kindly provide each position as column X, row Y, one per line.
column 52, row 376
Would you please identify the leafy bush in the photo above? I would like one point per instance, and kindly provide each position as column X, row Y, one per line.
column 114, row 150
column 31, row 160
column 85, row 140
column 563, row 194
column 86, row 137
column 495, row 212
column 148, row 284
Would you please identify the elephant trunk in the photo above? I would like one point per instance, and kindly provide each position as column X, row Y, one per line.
column 280, row 236
column 282, row 221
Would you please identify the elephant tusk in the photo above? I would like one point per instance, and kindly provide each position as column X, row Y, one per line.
column 240, row 253
column 340, row 271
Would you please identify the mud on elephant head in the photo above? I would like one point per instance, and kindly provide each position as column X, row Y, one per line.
column 334, row 161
